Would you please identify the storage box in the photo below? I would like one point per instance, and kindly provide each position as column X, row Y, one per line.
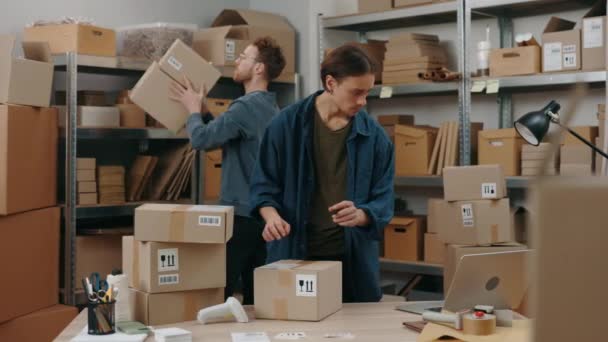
column 87, row 199
column 576, row 154
column 396, row 119
column 234, row 29
column 83, row 98
column 523, row 60
column 298, row 290
column 85, row 175
column 29, row 250
column 455, row 252
column 434, row 249
column 594, row 37
column 174, row 307
column 90, row 116
column 158, row 267
column 575, row 170
column 184, row 223
column 218, row 106
column 80, row 38
column 131, row 116
column 28, row 158
column 25, row 81
column 151, row 92
column 561, row 46
column 433, row 205
column 587, row 132
column 87, row 187
column 86, row 164
column 482, row 222
column 42, row 325
column 213, row 174
column 474, row 183
column 367, row 6
column 502, row 147
column 98, row 253
column 409, row 3
column 413, row 149
column 404, row 238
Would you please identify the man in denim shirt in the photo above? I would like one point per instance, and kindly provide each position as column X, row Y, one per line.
column 238, row 132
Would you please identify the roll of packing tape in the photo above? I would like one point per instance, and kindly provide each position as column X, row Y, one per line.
column 478, row 324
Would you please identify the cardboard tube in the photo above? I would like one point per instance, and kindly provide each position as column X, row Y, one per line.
column 479, row 326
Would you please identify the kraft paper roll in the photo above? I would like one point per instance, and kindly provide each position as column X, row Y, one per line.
column 482, row 326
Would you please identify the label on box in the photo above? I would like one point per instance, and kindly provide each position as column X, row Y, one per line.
column 206, row 220
column 168, row 279
column 496, row 143
column 488, row 190
column 570, row 60
column 230, row 50
column 493, row 86
column 168, row 260
column 467, row 215
column 552, row 56
column 306, row 285
column 177, row 65
column 593, row 33
column 249, row 337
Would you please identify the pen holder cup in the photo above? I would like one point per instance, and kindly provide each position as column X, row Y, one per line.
column 101, row 318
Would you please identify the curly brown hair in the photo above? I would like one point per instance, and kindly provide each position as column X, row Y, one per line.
column 271, row 55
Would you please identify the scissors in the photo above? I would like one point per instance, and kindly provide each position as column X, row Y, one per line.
column 100, row 285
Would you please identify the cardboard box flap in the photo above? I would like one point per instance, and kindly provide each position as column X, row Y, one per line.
column 7, row 44
column 415, row 132
column 597, row 10
column 556, row 24
column 221, row 32
column 37, row 51
column 402, row 221
column 249, row 17
column 499, row 133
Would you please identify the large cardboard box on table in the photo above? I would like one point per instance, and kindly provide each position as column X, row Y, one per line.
column 213, row 174
column 184, row 223
column 561, row 46
column 474, row 183
column 298, row 290
column 172, row 307
column 404, row 238
column 158, row 267
column 151, row 92
column 524, row 60
column 413, row 149
column 28, row 158
column 483, row 222
column 434, row 249
column 91, row 116
column 502, row 147
column 234, row 29
column 97, row 253
column 594, row 37
column 25, row 81
column 42, row 325
column 368, row 6
column 80, row 38
column 29, row 250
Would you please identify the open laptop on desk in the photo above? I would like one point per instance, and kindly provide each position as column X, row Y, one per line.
column 497, row 279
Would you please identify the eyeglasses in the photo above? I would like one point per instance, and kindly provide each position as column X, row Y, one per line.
column 243, row 56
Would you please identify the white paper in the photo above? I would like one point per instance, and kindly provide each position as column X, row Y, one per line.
column 488, row 190
column 593, row 33
column 250, row 337
column 290, row 336
column 478, row 86
column 493, row 86
column 306, row 285
column 552, row 56
column 386, row 92
column 467, row 215
column 168, row 260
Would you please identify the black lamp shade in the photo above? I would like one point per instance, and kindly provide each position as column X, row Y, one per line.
column 533, row 126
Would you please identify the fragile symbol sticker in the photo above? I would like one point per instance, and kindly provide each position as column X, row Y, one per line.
column 168, row 260
column 306, row 285
column 467, row 215
column 488, row 190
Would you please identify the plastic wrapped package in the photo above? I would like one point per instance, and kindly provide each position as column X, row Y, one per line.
column 151, row 41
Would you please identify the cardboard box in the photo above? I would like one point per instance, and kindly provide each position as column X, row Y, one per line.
column 538, row 172
column 25, row 81
column 42, row 325
column 482, row 222
column 396, row 119
column 234, row 29
column 575, row 170
column 151, row 92
column 523, row 60
column 84, row 39
column 413, row 149
column 561, row 46
column 98, row 253
column 298, row 290
column 213, row 174
column 537, row 164
column 404, row 238
column 520, row 218
column 410, row 3
column 85, row 175
column 184, row 223
column 131, row 116
column 367, row 6
column 86, row 163
column 89, row 116
column 576, row 154
column 87, row 199
column 375, row 49
column 587, row 132
column 174, row 307
column 594, row 37
column 158, row 267
column 474, row 183
column 28, row 158
column 218, row 106
column 83, row 98
column 29, row 250
column 434, row 249
column 87, row 187
column 455, row 252
column 433, row 205
column 502, row 147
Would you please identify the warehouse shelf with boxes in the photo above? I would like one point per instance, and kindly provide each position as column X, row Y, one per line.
column 407, row 57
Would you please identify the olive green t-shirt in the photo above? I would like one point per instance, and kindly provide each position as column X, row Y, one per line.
column 325, row 238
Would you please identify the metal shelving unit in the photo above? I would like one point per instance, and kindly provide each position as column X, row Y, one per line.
column 126, row 133
column 437, row 181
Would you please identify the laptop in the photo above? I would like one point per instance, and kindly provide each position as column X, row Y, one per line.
column 496, row 279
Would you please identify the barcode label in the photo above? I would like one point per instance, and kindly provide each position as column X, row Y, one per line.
column 168, row 279
column 174, row 63
column 467, row 215
column 488, row 190
column 205, row 220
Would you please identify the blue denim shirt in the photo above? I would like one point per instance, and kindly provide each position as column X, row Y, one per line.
column 283, row 178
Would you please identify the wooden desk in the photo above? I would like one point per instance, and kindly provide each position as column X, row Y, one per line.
column 373, row 322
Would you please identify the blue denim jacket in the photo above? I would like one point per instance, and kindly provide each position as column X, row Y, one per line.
column 283, row 178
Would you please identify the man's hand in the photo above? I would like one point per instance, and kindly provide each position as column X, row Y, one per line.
column 193, row 100
column 276, row 228
column 347, row 215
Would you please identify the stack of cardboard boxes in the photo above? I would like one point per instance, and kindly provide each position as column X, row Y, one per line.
column 111, row 180
column 86, row 181
column 408, row 55
column 576, row 158
column 29, row 218
column 176, row 261
column 532, row 158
